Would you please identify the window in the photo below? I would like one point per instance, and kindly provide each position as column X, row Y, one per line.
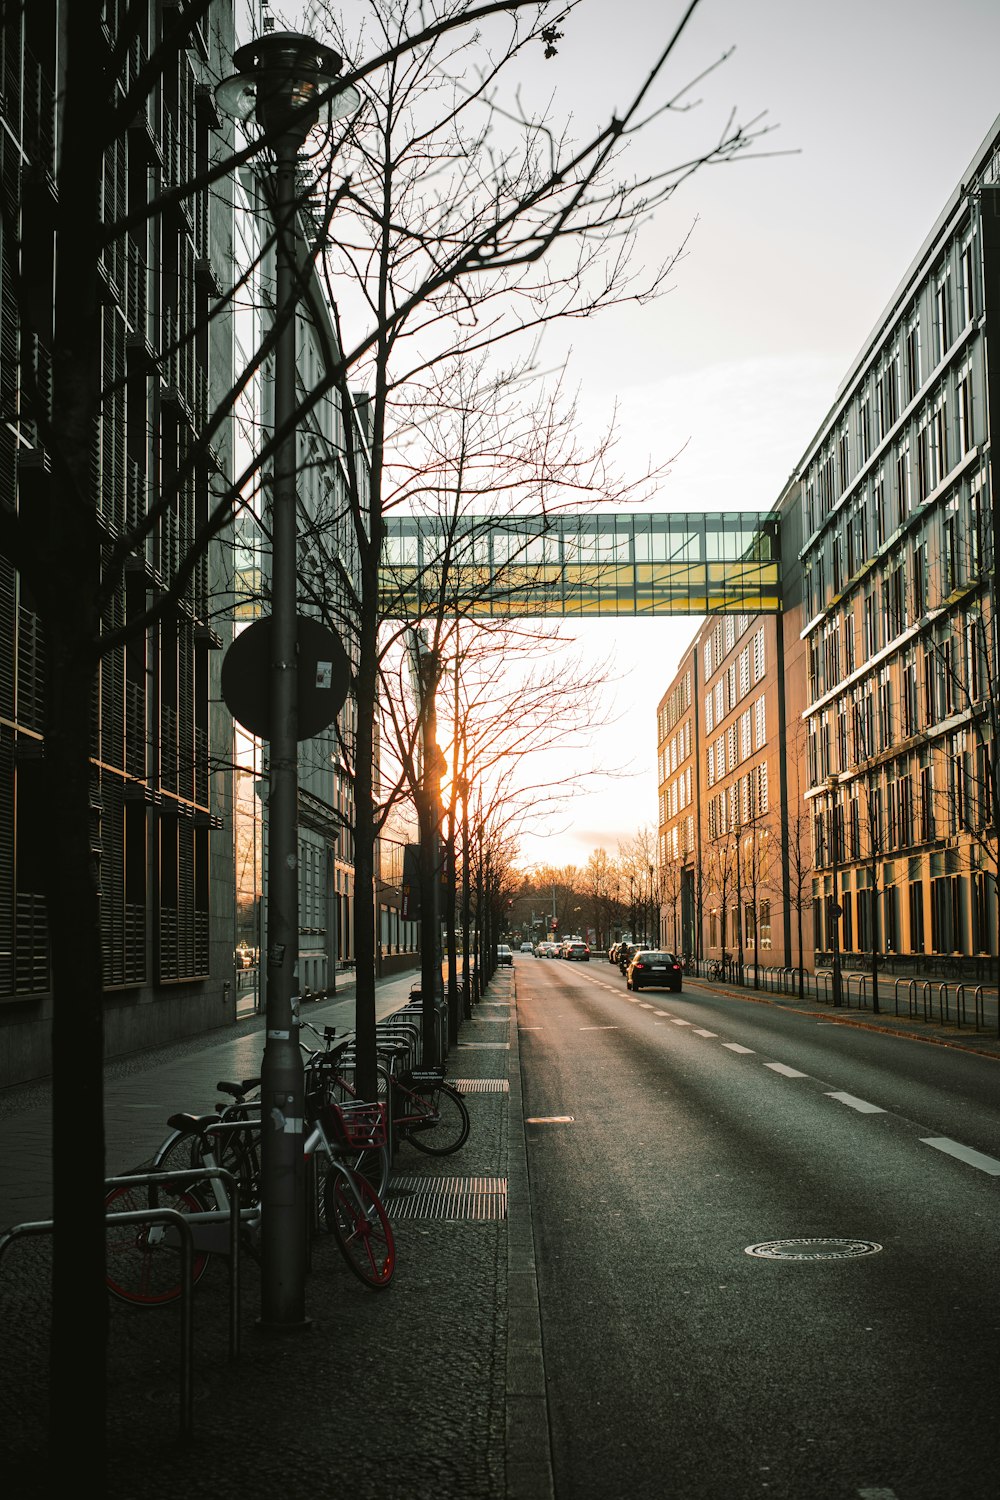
column 708, row 659
column 844, row 459
column 745, row 734
column 966, row 434
column 709, row 719
column 878, row 510
column 865, row 431
column 939, row 455
column 913, row 375
column 941, row 317
column 910, row 697
column 758, row 655
column 916, row 894
column 903, row 483
column 761, row 723
column 968, row 283
column 764, row 924
column 762, row 797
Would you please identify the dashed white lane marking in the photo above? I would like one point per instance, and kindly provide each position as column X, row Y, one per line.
column 861, row 1105
column 645, row 1005
column 699, row 1032
column 735, row 1047
column 598, row 1028
column 877, row 1494
column 785, row 1070
column 678, row 1022
column 963, row 1153
column 661, row 1013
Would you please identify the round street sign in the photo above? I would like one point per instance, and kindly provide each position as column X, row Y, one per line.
column 324, row 675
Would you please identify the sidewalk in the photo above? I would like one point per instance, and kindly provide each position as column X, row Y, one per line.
column 432, row 1387
column 985, row 1042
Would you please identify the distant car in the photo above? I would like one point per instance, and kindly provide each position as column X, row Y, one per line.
column 578, row 952
column 651, row 968
column 504, row 955
column 527, row 948
column 548, row 950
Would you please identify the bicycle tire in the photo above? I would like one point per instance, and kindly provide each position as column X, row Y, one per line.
column 358, row 1221
column 448, row 1130
column 371, row 1164
column 238, row 1152
column 139, row 1271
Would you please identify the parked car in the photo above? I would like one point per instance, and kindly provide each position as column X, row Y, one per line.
column 579, row 952
column 504, row 955
column 651, row 968
column 527, row 948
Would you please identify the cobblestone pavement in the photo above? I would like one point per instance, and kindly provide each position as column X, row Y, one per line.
column 397, row 1393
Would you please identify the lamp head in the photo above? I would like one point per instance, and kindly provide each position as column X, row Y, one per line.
column 281, row 79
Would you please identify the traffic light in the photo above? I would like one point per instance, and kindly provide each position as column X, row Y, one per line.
column 553, row 924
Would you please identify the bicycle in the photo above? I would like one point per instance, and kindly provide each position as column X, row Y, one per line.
column 426, row 1111
column 716, row 969
column 143, row 1261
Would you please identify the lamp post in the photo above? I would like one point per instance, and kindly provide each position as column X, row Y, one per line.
column 831, row 782
column 654, row 936
column 281, row 81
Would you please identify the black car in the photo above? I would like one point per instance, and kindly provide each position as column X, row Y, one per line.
column 651, row 968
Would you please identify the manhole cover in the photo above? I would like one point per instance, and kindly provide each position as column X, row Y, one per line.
column 813, row 1249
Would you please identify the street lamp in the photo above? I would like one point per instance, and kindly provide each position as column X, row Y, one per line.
column 835, row 910
column 285, row 81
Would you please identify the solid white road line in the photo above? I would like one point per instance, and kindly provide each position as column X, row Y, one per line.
column 861, row 1105
column 735, row 1047
column 785, row 1070
column 963, row 1153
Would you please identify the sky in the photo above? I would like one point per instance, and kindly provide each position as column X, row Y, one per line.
column 875, row 109
column 878, row 109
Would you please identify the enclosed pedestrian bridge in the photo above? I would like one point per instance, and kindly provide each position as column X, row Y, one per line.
column 608, row 564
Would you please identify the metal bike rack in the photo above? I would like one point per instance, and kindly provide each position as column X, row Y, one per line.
column 189, row 1175
column 147, row 1216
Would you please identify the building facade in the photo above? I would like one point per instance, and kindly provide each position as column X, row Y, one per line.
column 159, row 791
column 898, row 505
column 880, row 674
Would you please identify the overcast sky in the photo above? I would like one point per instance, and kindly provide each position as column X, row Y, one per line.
column 877, row 108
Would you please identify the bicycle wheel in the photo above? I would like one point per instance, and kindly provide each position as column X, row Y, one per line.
column 359, row 1222
column 238, row 1151
column 143, row 1261
column 371, row 1164
column 446, row 1128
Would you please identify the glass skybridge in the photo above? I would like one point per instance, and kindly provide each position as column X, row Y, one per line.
column 614, row 564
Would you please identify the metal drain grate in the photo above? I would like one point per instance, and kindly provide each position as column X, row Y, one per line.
column 481, row 1085
column 479, row 1198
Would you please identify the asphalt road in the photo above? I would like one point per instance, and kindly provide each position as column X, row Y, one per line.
column 677, row 1364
